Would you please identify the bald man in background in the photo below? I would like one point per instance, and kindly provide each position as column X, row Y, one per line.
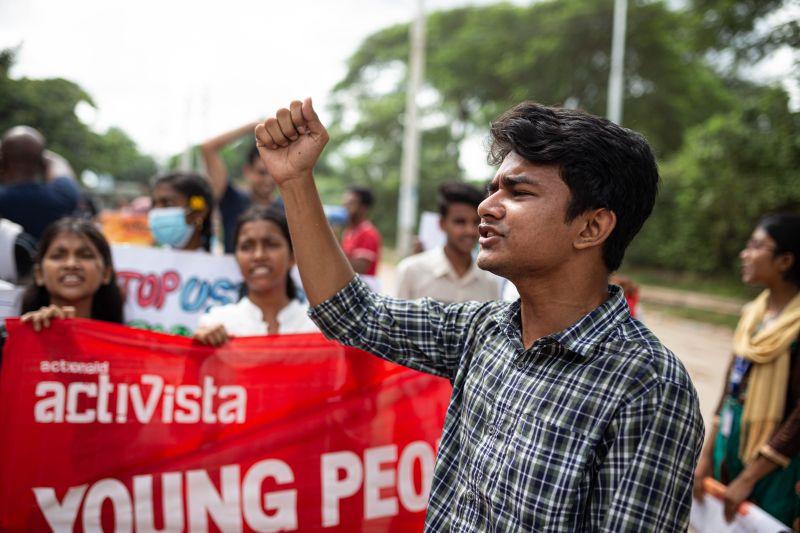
column 37, row 187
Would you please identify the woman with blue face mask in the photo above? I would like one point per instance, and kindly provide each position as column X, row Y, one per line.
column 181, row 214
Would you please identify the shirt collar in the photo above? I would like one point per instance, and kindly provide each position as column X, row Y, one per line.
column 291, row 308
column 252, row 310
column 443, row 267
column 584, row 336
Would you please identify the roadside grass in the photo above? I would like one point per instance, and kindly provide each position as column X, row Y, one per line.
column 690, row 313
column 729, row 285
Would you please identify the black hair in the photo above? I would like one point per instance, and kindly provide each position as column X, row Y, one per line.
column 107, row 302
column 277, row 216
column 784, row 229
column 192, row 184
column 252, row 155
column 602, row 164
column 458, row 193
column 365, row 195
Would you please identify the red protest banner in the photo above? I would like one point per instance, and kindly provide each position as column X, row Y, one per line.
column 103, row 426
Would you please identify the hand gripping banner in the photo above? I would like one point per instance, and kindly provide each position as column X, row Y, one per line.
column 104, row 427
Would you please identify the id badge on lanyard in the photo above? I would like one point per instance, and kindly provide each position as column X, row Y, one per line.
column 740, row 368
column 726, row 421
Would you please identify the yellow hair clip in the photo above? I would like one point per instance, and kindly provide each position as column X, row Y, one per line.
column 197, row 203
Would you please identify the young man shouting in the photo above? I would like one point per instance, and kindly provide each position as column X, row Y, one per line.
column 566, row 413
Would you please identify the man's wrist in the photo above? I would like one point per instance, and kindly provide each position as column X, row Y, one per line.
column 299, row 182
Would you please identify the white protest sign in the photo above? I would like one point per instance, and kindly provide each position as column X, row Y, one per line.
column 10, row 296
column 708, row 515
column 168, row 290
column 430, row 233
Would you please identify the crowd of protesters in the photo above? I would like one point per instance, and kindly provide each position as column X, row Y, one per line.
column 50, row 244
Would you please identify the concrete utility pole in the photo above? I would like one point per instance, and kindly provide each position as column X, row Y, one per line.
column 615, row 77
column 409, row 169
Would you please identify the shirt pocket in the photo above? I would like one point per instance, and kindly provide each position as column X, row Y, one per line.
column 547, row 473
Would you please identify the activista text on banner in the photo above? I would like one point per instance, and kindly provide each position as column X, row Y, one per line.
column 150, row 400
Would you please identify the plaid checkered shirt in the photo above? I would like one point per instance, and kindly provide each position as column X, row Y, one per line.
column 594, row 428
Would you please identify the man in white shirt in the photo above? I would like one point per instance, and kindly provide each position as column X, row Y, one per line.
column 449, row 274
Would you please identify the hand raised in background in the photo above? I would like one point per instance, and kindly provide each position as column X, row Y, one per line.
column 291, row 142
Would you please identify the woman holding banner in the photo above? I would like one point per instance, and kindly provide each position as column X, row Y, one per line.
column 73, row 276
column 181, row 213
column 269, row 304
column 754, row 443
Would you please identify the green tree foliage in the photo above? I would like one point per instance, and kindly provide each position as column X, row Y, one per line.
column 732, row 169
column 481, row 60
column 743, row 27
column 728, row 147
column 49, row 106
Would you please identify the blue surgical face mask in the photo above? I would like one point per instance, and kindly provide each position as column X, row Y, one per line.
column 168, row 226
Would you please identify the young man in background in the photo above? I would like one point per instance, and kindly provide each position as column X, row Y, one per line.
column 361, row 240
column 449, row 273
column 232, row 199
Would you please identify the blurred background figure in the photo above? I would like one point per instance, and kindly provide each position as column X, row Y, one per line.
column 17, row 250
column 754, row 442
column 231, row 199
column 269, row 305
column 141, row 204
column 180, row 216
column 631, row 291
column 361, row 240
column 37, row 187
column 449, row 273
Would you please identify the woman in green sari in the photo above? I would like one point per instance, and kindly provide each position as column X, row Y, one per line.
column 754, row 442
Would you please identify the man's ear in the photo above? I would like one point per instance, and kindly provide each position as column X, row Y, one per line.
column 597, row 226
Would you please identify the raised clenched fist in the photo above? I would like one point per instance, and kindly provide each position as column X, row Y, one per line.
column 291, row 142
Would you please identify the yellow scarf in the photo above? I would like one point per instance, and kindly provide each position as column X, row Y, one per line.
column 767, row 384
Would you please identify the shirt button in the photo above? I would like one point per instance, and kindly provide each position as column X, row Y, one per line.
column 520, row 365
column 470, row 496
column 492, row 429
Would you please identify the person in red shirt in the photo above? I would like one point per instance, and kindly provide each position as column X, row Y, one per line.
column 361, row 240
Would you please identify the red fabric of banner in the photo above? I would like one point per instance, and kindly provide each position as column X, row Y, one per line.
column 128, row 430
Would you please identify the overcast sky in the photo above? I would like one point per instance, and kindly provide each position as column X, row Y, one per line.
column 172, row 72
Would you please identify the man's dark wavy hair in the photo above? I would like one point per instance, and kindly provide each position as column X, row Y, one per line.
column 365, row 194
column 107, row 302
column 457, row 192
column 602, row 164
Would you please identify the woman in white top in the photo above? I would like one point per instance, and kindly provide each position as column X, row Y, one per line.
column 269, row 306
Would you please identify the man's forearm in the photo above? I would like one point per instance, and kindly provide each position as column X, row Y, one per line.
column 290, row 145
column 57, row 166
column 323, row 266
column 215, row 167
